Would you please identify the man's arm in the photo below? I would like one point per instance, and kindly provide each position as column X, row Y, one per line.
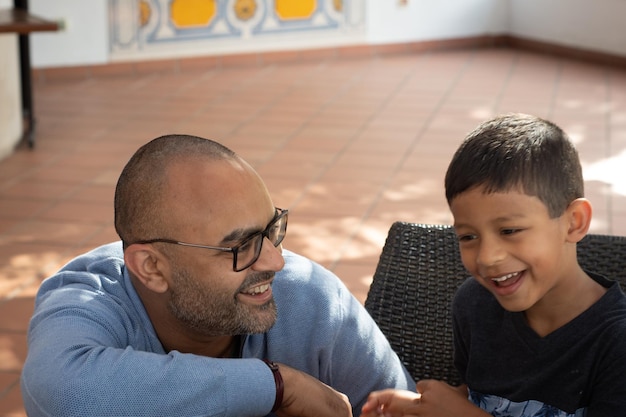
column 85, row 361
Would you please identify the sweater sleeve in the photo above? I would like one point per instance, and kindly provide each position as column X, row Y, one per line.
column 77, row 367
column 91, row 354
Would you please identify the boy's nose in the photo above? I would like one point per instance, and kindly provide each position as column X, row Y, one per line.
column 490, row 253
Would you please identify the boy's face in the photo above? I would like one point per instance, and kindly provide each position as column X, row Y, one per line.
column 509, row 243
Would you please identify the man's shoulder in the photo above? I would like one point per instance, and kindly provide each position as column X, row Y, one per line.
column 301, row 268
column 108, row 258
column 96, row 268
column 301, row 272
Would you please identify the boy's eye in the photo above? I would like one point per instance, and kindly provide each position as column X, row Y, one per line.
column 509, row 231
column 466, row 238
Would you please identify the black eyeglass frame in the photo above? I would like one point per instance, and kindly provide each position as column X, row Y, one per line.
column 279, row 215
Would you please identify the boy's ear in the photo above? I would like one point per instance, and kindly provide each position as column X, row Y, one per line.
column 148, row 265
column 579, row 219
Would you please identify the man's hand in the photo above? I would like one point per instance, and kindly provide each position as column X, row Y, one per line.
column 306, row 396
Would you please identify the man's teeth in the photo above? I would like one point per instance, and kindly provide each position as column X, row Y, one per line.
column 258, row 290
column 505, row 277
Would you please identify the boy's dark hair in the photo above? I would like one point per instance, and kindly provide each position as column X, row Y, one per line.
column 518, row 151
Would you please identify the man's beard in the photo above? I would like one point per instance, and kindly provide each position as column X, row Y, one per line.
column 215, row 311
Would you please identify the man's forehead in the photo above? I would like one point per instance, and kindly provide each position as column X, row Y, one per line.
column 226, row 190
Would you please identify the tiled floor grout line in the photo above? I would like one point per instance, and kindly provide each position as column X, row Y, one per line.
column 608, row 147
column 555, row 89
column 506, row 82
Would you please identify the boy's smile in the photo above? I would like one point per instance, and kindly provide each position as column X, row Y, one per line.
column 507, row 284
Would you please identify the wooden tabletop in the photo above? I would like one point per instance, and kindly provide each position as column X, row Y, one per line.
column 22, row 22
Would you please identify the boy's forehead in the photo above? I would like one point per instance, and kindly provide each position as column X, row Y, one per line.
column 478, row 204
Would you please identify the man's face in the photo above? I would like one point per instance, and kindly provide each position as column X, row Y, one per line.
column 224, row 204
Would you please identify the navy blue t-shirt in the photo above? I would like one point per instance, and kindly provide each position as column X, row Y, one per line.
column 577, row 370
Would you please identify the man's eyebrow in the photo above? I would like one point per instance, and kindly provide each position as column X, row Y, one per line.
column 239, row 235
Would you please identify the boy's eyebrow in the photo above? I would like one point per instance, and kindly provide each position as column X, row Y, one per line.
column 510, row 217
column 496, row 220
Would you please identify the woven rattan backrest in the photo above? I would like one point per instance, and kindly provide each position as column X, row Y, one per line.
column 419, row 271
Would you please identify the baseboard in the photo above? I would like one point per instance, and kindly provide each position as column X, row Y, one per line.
column 181, row 65
column 578, row 54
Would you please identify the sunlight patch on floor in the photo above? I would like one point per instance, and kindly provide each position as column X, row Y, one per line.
column 610, row 171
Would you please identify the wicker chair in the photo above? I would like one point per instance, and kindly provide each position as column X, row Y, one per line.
column 418, row 272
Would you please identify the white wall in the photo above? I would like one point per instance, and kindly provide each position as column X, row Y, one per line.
column 10, row 95
column 392, row 21
column 83, row 41
column 587, row 24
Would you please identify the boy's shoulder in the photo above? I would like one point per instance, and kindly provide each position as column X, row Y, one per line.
column 612, row 305
column 613, row 301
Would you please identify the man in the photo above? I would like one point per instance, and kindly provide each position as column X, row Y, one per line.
column 177, row 319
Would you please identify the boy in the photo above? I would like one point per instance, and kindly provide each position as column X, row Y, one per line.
column 535, row 335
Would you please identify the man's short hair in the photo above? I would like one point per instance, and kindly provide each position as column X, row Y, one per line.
column 139, row 190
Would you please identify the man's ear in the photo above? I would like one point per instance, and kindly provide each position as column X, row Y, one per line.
column 579, row 219
column 148, row 265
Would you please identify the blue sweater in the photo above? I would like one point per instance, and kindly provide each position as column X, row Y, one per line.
column 93, row 350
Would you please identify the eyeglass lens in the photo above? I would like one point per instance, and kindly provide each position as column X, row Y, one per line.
column 250, row 250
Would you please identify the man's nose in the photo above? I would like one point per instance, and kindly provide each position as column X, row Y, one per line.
column 270, row 258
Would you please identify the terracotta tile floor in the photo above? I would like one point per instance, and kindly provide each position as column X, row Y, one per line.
column 348, row 145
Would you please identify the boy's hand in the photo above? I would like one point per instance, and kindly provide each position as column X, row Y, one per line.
column 306, row 396
column 443, row 400
column 434, row 399
column 391, row 403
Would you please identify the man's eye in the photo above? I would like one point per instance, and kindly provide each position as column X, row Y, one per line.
column 249, row 243
column 245, row 246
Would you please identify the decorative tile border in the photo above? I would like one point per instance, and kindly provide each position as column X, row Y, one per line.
column 155, row 26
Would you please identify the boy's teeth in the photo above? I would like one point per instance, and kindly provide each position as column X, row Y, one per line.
column 505, row 277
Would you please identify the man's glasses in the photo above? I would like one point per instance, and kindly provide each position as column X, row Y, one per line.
column 248, row 251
